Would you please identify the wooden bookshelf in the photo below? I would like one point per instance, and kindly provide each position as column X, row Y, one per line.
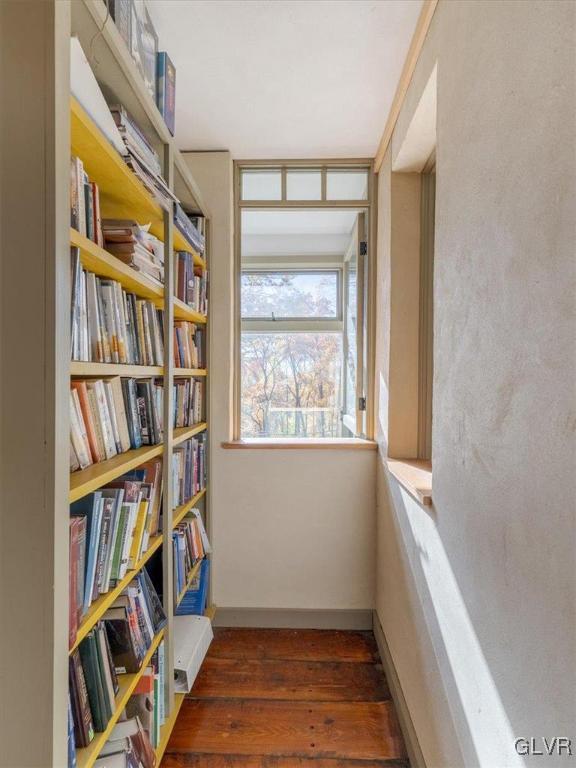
column 122, row 195
column 86, row 757
column 193, row 573
column 101, row 370
column 180, row 512
column 101, row 604
column 168, row 727
column 85, row 481
column 189, row 372
column 185, row 433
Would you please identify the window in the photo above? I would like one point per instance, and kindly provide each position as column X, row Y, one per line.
column 302, row 293
column 284, row 294
column 262, row 185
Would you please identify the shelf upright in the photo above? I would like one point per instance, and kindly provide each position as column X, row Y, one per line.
column 167, row 498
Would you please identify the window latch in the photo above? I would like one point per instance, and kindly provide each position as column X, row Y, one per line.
column 361, row 403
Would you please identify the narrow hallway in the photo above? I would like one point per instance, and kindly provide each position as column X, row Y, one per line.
column 270, row 698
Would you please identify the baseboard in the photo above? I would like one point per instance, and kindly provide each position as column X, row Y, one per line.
column 408, row 730
column 294, row 618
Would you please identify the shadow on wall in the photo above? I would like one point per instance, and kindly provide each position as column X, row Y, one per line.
column 483, row 727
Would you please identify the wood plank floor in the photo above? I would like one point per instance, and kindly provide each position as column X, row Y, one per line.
column 288, row 699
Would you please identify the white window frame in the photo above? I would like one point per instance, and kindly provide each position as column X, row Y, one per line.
column 308, row 324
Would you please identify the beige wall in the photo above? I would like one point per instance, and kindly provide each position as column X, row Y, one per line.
column 290, row 528
column 476, row 595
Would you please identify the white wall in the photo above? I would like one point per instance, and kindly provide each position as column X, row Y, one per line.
column 291, row 529
column 476, row 595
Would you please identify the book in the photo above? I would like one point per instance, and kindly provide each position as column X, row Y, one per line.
column 188, row 469
column 187, row 402
column 188, row 345
column 195, row 599
column 132, row 622
column 184, row 225
column 99, row 708
column 110, row 325
column 82, row 716
column 110, row 416
column 166, row 89
column 84, row 202
column 190, row 282
column 71, row 739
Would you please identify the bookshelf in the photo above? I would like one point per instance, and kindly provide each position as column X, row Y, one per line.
column 42, row 125
column 123, row 196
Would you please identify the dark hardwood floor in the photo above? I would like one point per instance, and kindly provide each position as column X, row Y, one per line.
column 269, row 698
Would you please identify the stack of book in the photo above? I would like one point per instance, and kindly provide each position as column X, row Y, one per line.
column 84, row 203
column 116, row 645
column 188, row 402
column 134, row 245
column 110, row 416
column 142, row 158
column 110, row 530
column 188, row 345
column 190, row 544
column 188, row 469
column 184, row 224
column 190, row 282
column 109, row 325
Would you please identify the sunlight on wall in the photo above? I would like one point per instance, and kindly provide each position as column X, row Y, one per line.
column 456, row 645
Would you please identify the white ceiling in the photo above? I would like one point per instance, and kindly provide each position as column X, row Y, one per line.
column 302, row 222
column 296, row 232
column 284, row 78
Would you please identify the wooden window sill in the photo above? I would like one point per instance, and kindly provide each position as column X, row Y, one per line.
column 341, row 444
column 415, row 476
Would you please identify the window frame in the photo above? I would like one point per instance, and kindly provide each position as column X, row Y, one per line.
column 367, row 205
column 296, row 322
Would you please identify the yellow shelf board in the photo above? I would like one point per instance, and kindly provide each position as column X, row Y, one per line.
column 168, row 726
column 180, row 372
column 210, row 612
column 96, row 259
column 78, row 368
column 122, row 194
column 181, row 512
column 189, row 581
column 184, row 433
column 87, row 756
column 101, row 604
column 85, row 481
column 184, row 312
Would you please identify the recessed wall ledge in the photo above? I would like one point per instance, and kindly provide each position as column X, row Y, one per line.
column 327, row 444
column 415, row 476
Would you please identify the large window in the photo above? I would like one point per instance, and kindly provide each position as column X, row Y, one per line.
column 302, row 287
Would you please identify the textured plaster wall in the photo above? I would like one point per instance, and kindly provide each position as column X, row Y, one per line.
column 476, row 595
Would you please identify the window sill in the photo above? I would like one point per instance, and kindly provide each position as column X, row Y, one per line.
column 415, row 476
column 341, row 444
